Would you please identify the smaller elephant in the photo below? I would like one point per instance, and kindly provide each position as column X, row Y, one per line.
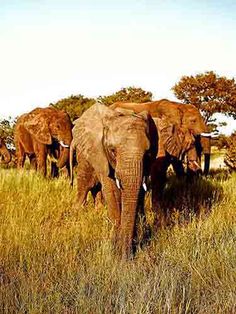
column 5, row 153
column 40, row 133
column 116, row 149
column 185, row 116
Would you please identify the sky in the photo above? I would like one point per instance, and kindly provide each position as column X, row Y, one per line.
column 51, row 49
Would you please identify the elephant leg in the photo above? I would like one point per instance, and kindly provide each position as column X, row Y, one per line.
column 96, row 192
column 112, row 197
column 85, row 182
column 21, row 161
column 54, row 170
column 178, row 167
column 66, row 170
column 158, row 181
column 33, row 161
column 20, row 156
column 41, row 157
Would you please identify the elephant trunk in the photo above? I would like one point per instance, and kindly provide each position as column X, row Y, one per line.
column 194, row 164
column 131, row 180
column 63, row 156
column 6, row 156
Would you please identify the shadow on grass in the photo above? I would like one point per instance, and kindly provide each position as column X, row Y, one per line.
column 220, row 174
column 184, row 199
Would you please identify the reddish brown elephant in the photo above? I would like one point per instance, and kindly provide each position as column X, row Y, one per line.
column 43, row 132
column 115, row 148
column 185, row 116
column 5, row 154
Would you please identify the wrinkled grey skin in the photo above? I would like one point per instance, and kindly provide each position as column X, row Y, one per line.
column 5, row 154
column 40, row 133
column 114, row 148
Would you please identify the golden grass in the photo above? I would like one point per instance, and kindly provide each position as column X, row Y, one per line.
column 54, row 259
column 217, row 158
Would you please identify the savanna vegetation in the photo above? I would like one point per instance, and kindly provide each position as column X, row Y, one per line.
column 209, row 92
column 54, row 259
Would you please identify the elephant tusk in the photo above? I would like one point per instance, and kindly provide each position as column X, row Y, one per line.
column 144, row 185
column 195, row 163
column 181, row 156
column 64, row 145
column 212, row 134
column 118, row 184
column 205, row 134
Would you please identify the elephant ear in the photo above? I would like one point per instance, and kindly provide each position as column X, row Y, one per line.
column 88, row 135
column 123, row 111
column 128, row 112
column 169, row 137
column 37, row 124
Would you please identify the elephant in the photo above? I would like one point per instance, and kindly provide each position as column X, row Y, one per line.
column 40, row 133
column 177, row 133
column 187, row 116
column 5, row 153
column 115, row 148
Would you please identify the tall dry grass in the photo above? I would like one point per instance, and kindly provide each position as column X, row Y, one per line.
column 54, row 259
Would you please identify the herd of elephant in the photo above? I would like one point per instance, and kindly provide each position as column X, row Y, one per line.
column 117, row 149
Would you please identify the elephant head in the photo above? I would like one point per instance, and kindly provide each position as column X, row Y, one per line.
column 176, row 141
column 51, row 127
column 190, row 118
column 4, row 153
column 117, row 145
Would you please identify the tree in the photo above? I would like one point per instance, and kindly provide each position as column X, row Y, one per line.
column 7, row 131
column 131, row 94
column 74, row 105
column 209, row 92
column 222, row 141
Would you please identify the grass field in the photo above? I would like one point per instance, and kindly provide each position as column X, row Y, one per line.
column 54, row 259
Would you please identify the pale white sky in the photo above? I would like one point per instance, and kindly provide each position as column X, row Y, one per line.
column 51, row 49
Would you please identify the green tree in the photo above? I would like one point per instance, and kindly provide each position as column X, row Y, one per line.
column 131, row 94
column 74, row 105
column 7, row 131
column 209, row 92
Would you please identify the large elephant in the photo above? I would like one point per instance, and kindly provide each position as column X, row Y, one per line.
column 115, row 148
column 5, row 154
column 40, row 133
column 185, row 116
column 178, row 132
